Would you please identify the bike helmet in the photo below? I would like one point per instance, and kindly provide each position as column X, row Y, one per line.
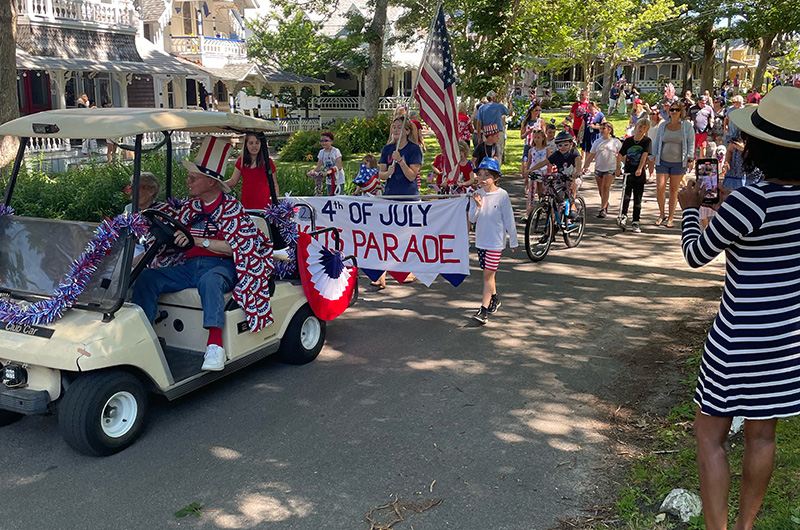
column 563, row 135
column 492, row 165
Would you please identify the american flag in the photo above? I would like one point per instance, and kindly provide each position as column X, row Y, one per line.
column 436, row 93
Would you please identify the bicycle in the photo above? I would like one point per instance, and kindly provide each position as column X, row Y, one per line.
column 552, row 215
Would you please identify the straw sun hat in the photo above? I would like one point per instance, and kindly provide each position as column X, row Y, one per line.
column 776, row 120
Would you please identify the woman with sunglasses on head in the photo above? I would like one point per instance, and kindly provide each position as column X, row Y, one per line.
column 673, row 152
column 750, row 365
column 251, row 170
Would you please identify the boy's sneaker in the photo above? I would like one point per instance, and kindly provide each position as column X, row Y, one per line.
column 482, row 315
column 635, row 228
column 494, row 304
column 622, row 222
column 214, row 358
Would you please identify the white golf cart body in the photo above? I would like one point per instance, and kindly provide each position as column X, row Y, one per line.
column 86, row 365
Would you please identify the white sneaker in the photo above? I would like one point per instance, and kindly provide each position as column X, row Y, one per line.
column 214, row 359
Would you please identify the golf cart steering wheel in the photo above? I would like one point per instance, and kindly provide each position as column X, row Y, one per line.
column 163, row 228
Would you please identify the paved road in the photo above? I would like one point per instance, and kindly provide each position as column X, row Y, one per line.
column 408, row 398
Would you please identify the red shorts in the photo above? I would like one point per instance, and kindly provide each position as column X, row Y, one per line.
column 700, row 139
column 489, row 259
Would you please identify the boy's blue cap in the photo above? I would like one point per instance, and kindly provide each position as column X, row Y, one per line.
column 491, row 164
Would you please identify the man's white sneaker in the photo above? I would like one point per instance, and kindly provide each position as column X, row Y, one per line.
column 214, row 359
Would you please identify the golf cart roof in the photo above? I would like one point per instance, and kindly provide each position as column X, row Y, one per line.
column 117, row 122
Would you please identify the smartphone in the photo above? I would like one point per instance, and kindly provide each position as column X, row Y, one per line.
column 707, row 172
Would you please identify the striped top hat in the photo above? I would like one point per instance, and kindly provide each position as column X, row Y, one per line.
column 211, row 160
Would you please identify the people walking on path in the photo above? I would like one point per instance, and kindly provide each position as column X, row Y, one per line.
column 494, row 113
column 633, row 155
column 673, row 149
column 606, row 164
column 490, row 210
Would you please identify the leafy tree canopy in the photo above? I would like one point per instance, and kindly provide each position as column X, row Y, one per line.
column 298, row 46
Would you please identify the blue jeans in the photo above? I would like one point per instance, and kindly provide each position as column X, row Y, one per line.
column 212, row 276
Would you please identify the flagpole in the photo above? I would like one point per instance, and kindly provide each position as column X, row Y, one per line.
column 419, row 69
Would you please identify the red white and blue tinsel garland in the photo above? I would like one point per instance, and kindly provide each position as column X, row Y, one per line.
column 282, row 216
column 73, row 284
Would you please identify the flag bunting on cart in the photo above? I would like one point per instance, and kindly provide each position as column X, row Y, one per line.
column 327, row 282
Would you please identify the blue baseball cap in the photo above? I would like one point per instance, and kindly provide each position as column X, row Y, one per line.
column 491, row 164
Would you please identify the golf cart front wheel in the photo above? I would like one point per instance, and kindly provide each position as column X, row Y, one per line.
column 103, row 413
column 304, row 337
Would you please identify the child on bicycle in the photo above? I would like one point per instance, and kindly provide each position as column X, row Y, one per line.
column 490, row 210
column 567, row 161
column 536, row 154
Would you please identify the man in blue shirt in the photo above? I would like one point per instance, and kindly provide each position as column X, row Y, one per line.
column 493, row 112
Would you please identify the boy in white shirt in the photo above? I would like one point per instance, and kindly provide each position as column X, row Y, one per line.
column 490, row 210
column 330, row 157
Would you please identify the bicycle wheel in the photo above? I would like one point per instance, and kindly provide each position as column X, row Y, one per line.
column 575, row 227
column 539, row 232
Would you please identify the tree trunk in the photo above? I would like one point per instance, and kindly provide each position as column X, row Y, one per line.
column 372, row 77
column 709, row 57
column 764, row 55
column 686, row 78
column 9, row 104
column 608, row 74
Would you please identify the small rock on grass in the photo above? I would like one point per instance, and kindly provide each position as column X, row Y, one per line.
column 683, row 504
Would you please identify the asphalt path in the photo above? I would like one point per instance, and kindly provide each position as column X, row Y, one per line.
column 407, row 400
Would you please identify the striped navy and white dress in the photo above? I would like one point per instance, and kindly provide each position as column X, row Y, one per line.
column 751, row 359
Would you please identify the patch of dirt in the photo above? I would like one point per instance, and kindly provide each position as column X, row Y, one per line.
column 637, row 403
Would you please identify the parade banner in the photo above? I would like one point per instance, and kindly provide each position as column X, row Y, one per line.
column 426, row 238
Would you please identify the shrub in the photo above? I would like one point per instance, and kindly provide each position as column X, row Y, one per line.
column 521, row 105
column 556, row 100
column 651, row 98
column 362, row 135
column 301, row 145
column 572, row 94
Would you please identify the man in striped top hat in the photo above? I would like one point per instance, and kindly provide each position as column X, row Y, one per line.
column 229, row 254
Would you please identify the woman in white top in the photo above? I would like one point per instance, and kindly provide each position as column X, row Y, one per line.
column 673, row 150
column 606, row 167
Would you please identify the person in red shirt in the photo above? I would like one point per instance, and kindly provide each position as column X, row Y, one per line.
column 754, row 96
column 578, row 111
column 251, row 170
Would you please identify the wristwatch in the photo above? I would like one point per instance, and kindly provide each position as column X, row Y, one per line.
column 206, row 243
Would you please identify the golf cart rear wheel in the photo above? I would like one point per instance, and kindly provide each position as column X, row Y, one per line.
column 304, row 337
column 8, row 417
column 103, row 413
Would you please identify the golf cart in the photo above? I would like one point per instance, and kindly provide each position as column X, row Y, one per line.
column 95, row 365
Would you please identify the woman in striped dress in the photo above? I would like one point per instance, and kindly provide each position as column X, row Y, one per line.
column 751, row 359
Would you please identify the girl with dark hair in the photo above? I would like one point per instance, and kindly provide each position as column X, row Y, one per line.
column 751, row 360
column 251, row 169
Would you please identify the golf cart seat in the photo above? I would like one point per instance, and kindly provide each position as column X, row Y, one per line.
column 189, row 298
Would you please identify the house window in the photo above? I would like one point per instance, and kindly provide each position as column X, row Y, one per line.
column 147, row 32
column 674, row 72
column 187, row 13
column 642, row 71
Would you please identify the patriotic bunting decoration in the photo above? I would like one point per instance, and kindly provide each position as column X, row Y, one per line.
column 327, row 282
column 367, row 180
column 282, row 216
